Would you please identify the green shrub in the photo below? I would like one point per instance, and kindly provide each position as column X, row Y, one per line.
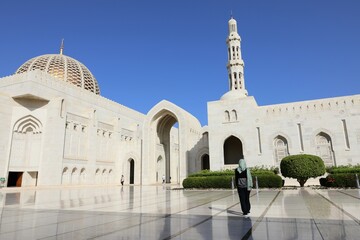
column 341, row 180
column 302, row 167
column 208, row 182
column 206, row 173
column 222, row 179
column 268, row 181
column 262, row 170
column 344, row 169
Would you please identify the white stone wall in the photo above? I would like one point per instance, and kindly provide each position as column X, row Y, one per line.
column 267, row 122
column 83, row 139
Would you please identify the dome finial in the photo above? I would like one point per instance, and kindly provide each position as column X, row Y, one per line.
column 62, row 47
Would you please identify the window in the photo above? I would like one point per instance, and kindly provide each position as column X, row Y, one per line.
column 280, row 149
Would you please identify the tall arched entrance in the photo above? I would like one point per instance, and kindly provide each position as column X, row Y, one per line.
column 169, row 132
column 168, row 146
column 233, row 150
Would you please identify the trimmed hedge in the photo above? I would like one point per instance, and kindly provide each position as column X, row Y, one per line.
column 342, row 180
column 344, row 169
column 208, row 173
column 208, row 182
column 222, row 179
column 269, row 181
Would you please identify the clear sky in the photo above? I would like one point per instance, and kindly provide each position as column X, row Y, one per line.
column 144, row 51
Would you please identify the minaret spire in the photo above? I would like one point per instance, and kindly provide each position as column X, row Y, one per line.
column 62, row 47
column 235, row 65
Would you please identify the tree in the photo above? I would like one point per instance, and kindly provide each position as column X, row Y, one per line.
column 302, row 167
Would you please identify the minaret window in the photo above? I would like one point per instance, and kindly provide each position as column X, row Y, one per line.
column 236, row 82
column 240, row 81
column 233, row 115
column 227, row 116
column 230, row 80
column 229, row 53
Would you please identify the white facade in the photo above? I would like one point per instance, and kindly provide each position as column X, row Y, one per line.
column 263, row 135
column 57, row 130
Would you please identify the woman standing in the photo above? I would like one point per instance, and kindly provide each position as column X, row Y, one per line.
column 244, row 183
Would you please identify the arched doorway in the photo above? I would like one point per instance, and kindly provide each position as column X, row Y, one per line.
column 233, row 150
column 168, row 147
column 160, row 169
column 25, row 152
column 205, row 162
column 132, row 171
column 324, row 148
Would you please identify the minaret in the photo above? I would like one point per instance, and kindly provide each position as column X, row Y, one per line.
column 235, row 65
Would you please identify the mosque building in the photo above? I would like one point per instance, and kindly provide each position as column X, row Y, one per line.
column 58, row 130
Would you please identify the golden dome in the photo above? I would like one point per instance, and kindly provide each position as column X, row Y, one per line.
column 64, row 68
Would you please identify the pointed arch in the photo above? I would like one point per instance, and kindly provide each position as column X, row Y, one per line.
column 26, row 143
column 233, row 150
column 324, row 148
column 65, row 179
column 82, row 176
column 202, row 159
column 104, row 176
column 281, row 150
column 161, row 137
column 29, row 121
column 74, row 176
column 97, row 176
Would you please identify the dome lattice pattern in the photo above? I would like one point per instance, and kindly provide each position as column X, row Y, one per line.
column 64, row 68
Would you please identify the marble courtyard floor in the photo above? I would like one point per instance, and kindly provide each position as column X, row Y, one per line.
column 165, row 212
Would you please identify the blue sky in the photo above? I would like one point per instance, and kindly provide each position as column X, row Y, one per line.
column 142, row 52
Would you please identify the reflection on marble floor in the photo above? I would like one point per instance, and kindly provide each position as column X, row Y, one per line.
column 164, row 212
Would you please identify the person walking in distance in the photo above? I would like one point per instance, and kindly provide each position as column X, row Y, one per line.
column 122, row 180
column 244, row 184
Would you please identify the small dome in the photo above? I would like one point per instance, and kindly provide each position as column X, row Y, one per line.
column 234, row 94
column 64, row 68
